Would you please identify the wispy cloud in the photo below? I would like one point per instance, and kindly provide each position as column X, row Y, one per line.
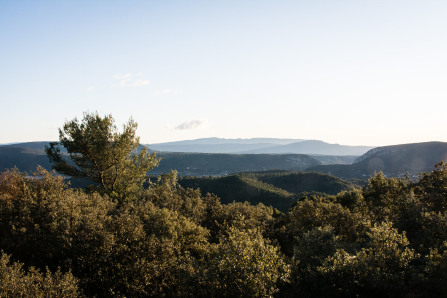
column 90, row 88
column 131, row 80
column 189, row 125
column 138, row 83
column 162, row 92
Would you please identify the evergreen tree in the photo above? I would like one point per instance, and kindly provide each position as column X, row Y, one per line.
column 114, row 161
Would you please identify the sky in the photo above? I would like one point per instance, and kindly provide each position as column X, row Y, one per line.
column 347, row 72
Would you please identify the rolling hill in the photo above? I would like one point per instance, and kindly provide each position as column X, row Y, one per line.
column 25, row 156
column 208, row 164
column 279, row 189
column 305, row 182
column 394, row 161
column 314, row 147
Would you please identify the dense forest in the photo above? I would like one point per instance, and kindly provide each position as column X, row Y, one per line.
column 387, row 238
column 126, row 236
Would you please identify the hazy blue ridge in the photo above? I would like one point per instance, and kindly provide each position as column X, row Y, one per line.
column 261, row 146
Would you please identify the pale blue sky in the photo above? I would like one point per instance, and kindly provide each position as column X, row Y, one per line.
column 348, row 72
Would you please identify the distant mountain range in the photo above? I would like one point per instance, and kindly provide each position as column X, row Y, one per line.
column 261, row 146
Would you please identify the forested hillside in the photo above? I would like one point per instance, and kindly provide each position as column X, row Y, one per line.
column 205, row 164
column 393, row 161
column 240, row 188
column 280, row 189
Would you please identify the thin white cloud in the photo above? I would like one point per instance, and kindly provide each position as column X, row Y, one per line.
column 130, row 80
column 90, row 88
column 162, row 92
column 122, row 76
column 189, row 125
column 138, row 83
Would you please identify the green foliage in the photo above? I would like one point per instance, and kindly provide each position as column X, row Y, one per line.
column 388, row 238
column 241, row 216
column 97, row 151
column 16, row 282
column 131, row 249
column 310, row 249
column 154, row 252
column 317, row 212
column 168, row 193
column 384, row 195
column 380, row 268
column 45, row 224
column 436, row 273
column 313, row 246
column 430, row 230
column 351, row 199
column 312, row 231
column 246, row 265
column 432, row 187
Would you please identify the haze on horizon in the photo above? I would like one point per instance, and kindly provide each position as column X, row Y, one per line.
column 346, row 72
